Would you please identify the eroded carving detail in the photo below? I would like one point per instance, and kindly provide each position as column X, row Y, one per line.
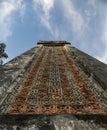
column 54, row 85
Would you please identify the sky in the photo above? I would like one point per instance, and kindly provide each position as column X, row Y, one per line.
column 83, row 23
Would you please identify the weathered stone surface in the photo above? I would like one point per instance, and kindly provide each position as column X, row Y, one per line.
column 54, row 84
column 95, row 70
column 12, row 75
column 91, row 66
column 53, row 122
column 53, row 80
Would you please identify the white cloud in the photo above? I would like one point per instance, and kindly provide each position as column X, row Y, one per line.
column 78, row 23
column 43, row 10
column 104, row 39
column 43, row 7
column 92, row 2
column 7, row 8
column 73, row 17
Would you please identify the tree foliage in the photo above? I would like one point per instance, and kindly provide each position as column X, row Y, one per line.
column 2, row 51
column 3, row 54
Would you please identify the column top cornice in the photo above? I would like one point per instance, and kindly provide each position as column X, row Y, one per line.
column 52, row 43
